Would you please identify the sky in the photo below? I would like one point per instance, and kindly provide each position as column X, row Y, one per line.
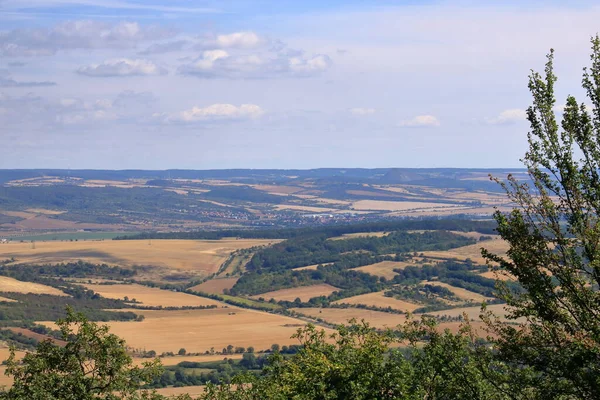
column 194, row 84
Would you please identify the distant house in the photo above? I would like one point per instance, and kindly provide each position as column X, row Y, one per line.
column 4, row 241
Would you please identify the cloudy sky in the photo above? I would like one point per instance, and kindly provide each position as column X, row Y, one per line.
column 199, row 84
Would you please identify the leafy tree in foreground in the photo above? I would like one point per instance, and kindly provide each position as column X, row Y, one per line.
column 554, row 237
column 92, row 365
column 357, row 363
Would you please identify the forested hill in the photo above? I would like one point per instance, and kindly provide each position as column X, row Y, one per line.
column 463, row 225
column 438, row 177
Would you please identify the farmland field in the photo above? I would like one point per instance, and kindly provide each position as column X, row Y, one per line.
column 497, row 246
column 304, row 208
column 499, row 275
column 151, row 296
column 472, row 312
column 461, row 293
column 384, row 268
column 377, row 299
column 174, row 360
column 377, row 319
column 215, row 286
column 197, row 257
column 305, row 293
column 12, row 285
column 311, row 267
column 176, row 391
column 199, row 330
column 382, row 205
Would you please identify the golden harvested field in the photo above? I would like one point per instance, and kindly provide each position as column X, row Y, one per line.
column 499, row 275
column 359, row 235
column 310, row 267
column 44, row 211
column 472, row 312
column 4, row 354
column 199, row 330
column 461, row 293
column 472, row 251
column 325, row 200
column 19, row 214
column 472, row 235
column 377, row 319
column 381, row 205
column 475, row 235
column 34, row 221
column 278, row 189
column 304, row 208
column 197, row 257
column 215, row 286
column 176, row 391
column 392, row 189
column 153, row 297
column 384, row 268
column 305, row 293
column 377, row 299
column 12, row 285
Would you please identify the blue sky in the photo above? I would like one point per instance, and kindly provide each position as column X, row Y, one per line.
column 278, row 84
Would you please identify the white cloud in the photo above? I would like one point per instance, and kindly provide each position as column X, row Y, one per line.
column 122, row 67
column 218, row 112
column 243, row 40
column 166, row 47
column 82, row 34
column 362, row 111
column 420, row 121
column 236, row 40
column 68, row 111
column 507, row 117
column 223, row 64
column 108, row 4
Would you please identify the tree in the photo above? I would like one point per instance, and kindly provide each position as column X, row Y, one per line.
column 357, row 363
column 182, row 352
column 92, row 365
column 554, row 238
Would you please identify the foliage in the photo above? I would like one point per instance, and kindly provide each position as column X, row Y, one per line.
column 79, row 269
column 554, row 238
column 92, row 365
column 310, row 250
column 356, row 363
column 44, row 307
column 486, row 227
